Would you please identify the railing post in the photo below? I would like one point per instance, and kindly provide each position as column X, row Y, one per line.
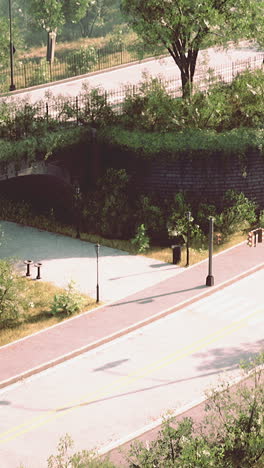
column 77, row 110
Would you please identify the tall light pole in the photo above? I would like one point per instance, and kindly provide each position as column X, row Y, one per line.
column 210, row 278
column 11, row 48
column 77, row 199
column 188, row 214
column 97, row 247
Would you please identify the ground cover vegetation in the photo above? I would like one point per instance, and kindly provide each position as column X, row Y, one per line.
column 226, row 120
column 229, row 436
column 27, row 306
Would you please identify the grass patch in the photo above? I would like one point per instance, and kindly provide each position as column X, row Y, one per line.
column 38, row 317
column 196, row 255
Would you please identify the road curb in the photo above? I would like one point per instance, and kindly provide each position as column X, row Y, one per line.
column 125, row 331
column 117, row 444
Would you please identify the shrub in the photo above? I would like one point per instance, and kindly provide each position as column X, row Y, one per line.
column 141, row 240
column 95, row 111
column 68, row 302
column 83, row 459
column 113, row 204
column 231, row 436
column 82, row 61
column 178, row 223
column 13, row 303
column 151, row 216
column 189, row 143
column 261, row 219
column 247, row 97
column 205, row 210
column 41, row 73
column 239, row 213
column 151, row 109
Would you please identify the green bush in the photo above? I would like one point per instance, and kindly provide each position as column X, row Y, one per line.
column 83, row 459
column 112, row 204
column 82, row 61
column 221, row 107
column 247, row 96
column 68, row 302
column 231, row 436
column 151, row 109
column 41, row 74
column 95, row 111
column 42, row 147
column 151, row 215
column 239, row 213
column 13, row 303
column 189, row 143
column 178, row 221
column 141, row 240
column 204, row 211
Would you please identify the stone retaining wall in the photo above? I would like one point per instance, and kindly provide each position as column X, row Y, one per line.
column 210, row 177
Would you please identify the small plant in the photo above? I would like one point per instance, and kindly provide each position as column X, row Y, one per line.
column 141, row 240
column 85, row 458
column 68, row 302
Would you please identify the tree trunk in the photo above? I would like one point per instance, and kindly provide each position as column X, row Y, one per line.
column 51, row 41
column 186, row 63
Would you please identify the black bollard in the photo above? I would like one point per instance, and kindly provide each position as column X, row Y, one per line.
column 38, row 265
column 28, row 263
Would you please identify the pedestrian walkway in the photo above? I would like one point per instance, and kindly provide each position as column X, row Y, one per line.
column 91, row 329
column 64, row 259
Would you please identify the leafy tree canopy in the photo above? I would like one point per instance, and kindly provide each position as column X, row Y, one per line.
column 185, row 26
column 52, row 14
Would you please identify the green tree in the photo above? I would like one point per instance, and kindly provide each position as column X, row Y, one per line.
column 4, row 42
column 184, row 27
column 95, row 16
column 52, row 14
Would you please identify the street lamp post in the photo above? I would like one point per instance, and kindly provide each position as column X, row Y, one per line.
column 97, row 247
column 77, row 208
column 188, row 214
column 210, row 278
column 11, row 48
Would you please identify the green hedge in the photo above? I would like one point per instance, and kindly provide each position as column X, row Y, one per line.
column 188, row 143
column 53, row 144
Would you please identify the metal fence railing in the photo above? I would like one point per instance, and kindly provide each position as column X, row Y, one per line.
column 39, row 71
column 70, row 108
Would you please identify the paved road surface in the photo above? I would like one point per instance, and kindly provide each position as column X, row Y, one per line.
column 132, row 74
column 112, row 391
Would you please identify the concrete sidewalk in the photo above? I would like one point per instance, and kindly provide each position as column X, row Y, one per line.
column 64, row 259
column 87, row 331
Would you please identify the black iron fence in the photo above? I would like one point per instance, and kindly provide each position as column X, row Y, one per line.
column 71, row 108
column 39, row 71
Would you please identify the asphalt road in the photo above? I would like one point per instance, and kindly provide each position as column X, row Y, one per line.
column 110, row 392
column 132, row 74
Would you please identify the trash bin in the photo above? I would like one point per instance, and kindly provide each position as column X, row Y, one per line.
column 176, row 254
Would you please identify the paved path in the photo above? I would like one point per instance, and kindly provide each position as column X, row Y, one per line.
column 112, row 391
column 65, row 259
column 89, row 330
